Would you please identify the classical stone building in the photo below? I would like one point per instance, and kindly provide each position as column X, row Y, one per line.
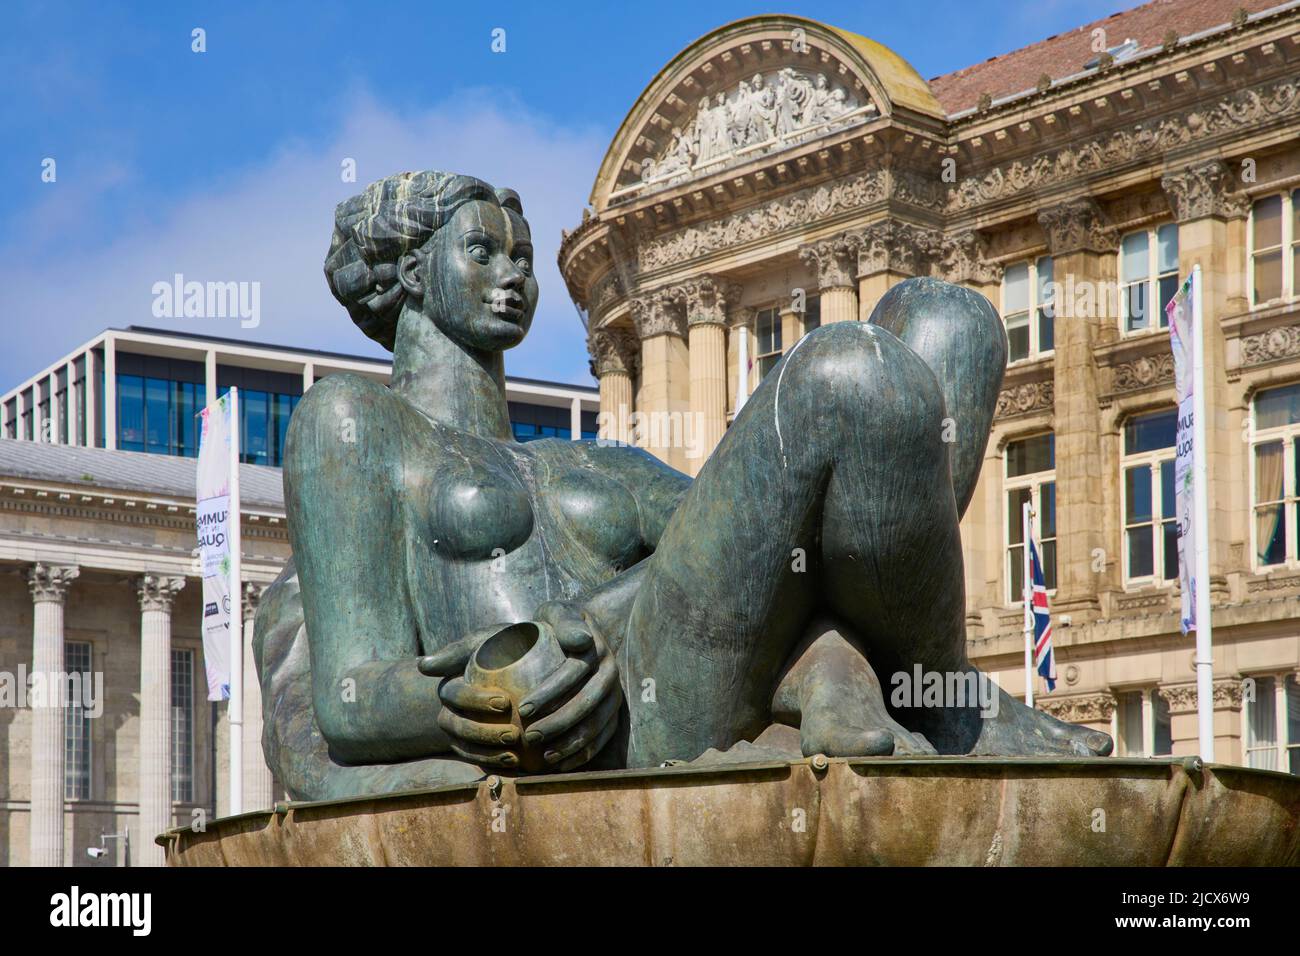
column 779, row 173
column 98, row 580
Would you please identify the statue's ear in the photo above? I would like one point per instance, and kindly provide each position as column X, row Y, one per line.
column 410, row 272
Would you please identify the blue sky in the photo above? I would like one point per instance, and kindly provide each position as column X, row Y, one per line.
column 225, row 165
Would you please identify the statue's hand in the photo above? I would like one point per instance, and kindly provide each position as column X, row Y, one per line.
column 569, row 716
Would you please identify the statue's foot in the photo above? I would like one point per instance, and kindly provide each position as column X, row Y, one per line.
column 865, row 734
column 1017, row 730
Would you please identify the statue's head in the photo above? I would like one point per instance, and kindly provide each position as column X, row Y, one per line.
column 449, row 247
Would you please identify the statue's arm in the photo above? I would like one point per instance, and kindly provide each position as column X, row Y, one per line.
column 343, row 459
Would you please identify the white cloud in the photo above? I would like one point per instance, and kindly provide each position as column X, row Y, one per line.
column 272, row 224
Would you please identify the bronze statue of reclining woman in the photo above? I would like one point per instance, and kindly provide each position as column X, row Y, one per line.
column 461, row 603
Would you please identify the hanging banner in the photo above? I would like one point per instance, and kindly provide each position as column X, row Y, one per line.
column 212, row 519
column 1180, row 312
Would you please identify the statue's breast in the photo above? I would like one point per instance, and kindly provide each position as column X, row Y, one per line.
column 594, row 512
column 477, row 512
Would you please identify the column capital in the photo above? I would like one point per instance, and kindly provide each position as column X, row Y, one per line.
column 1204, row 190
column 1080, row 709
column 1077, row 225
column 962, row 258
column 894, row 246
column 706, row 299
column 49, row 582
column 614, row 349
column 660, row 311
column 1181, row 698
column 252, row 596
column 158, row 591
column 834, row 259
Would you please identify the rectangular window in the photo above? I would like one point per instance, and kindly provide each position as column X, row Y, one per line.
column 77, row 659
column 1273, row 724
column 1028, row 309
column 812, row 317
column 1143, row 725
column 767, row 332
column 182, row 716
column 1148, row 271
column 1030, row 477
column 1273, row 485
column 1150, row 513
column 1266, row 249
column 81, row 384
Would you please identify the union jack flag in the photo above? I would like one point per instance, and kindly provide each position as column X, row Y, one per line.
column 1044, row 659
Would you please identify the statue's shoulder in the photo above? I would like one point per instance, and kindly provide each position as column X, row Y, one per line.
column 331, row 426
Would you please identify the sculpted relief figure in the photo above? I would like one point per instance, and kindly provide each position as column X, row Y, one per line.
column 460, row 603
column 783, row 108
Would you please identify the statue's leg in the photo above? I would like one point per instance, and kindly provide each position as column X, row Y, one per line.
column 830, row 493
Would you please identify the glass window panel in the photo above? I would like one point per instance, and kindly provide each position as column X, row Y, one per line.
column 1137, row 494
column 1293, row 722
column 130, row 413
column 255, row 411
column 1047, row 509
column 1168, row 493
column 157, row 417
column 1268, row 472
column 769, row 331
column 1261, row 726
column 1016, row 573
column 1140, row 554
column 812, row 317
column 1134, row 253
column 1270, row 534
column 1031, row 455
column 76, row 724
column 1016, row 499
column 1049, row 565
column 1150, row 432
column 1167, row 249
column 1130, row 723
column 1171, row 550
column 1164, row 736
column 1268, row 276
column 1266, row 221
column 1135, row 306
column 1017, row 336
column 182, row 720
column 1045, row 269
column 1168, row 289
column 1046, row 329
column 1277, row 406
column 1015, row 288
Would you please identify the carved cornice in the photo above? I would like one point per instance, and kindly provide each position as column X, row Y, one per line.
column 1235, row 111
column 1026, row 398
column 158, row 591
column 660, row 312
column 1182, row 697
column 1202, row 190
column 962, row 259
column 49, row 582
column 613, row 350
column 796, row 210
column 1076, row 226
column 1145, row 371
column 894, row 246
column 1084, row 708
column 1271, row 345
column 834, row 259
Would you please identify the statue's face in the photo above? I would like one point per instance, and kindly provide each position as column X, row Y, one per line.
column 483, row 291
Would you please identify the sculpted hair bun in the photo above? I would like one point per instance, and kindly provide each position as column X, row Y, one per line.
column 373, row 230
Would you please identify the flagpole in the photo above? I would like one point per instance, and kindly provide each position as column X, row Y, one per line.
column 1026, row 514
column 235, row 706
column 1201, row 508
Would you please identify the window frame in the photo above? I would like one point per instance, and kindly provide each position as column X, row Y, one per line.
column 1151, row 278
column 777, row 340
column 1283, row 684
column 1288, row 247
column 1290, row 500
column 1034, row 481
column 1148, row 697
column 179, row 781
column 86, row 792
column 1153, row 459
column 1033, row 310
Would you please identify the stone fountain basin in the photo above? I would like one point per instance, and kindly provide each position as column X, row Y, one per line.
column 925, row 811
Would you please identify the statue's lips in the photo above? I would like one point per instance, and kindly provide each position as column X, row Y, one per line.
column 509, row 306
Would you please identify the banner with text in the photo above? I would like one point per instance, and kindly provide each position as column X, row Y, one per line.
column 212, row 519
column 1180, row 312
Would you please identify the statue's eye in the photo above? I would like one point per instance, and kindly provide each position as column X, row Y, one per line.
column 525, row 265
column 478, row 252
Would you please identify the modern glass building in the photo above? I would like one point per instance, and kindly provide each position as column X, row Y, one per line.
column 139, row 389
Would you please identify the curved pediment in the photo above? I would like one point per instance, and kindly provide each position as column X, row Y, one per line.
column 752, row 88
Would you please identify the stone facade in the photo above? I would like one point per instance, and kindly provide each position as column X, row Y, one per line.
column 1048, row 158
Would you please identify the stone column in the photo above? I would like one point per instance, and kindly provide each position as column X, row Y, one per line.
column 889, row 252
column 49, row 586
column 157, row 593
column 615, row 354
column 1083, row 246
column 706, row 317
column 258, row 786
column 660, row 318
column 1211, row 215
column 835, row 260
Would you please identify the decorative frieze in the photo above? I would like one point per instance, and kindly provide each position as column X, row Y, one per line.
column 1271, row 345
column 1076, row 226
column 1026, row 398
column 1145, row 371
column 1081, row 709
column 613, row 350
column 1141, row 141
column 1202, row 190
